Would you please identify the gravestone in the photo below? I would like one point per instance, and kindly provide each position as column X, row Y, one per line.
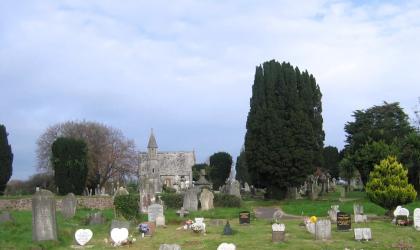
column 235, row 188
column 226, row 246
column 358, row 213
column 323, row 230
column 246, row 187
column 154, row 211
column 244, row 217
column 206, row 199
column 277, row 232
column 182, row 212
column 119, row 235
column 169, row 247
column 160, row 221
column 216, row 222
column 277, row 215
column 333, row 213
column 416, row 219
column 83, row 236
column 401, row 211
column 44, row 223
column 6, row 217
column 96, row 219
column 343, row 221
column 362, row 234
column 227, row 230
column 358, row 209
column 120, row 224
column 68, row 206
column 190, row 200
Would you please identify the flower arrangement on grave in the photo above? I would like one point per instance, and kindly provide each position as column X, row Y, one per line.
column 197, row 227
column 143, row 228
column 313, row 219
column 188, row 224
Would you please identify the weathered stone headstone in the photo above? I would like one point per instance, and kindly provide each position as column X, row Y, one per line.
column 169, row 247
column 160, row 221
column 68, row 206
column 83, row 236
column 44, row 223
column 216, row 222
column 227, row 230
column 358, row 209
column 323, row 230
column 96, row 219
column 235, row 188
column 343, row 221
column 416, row 219
column 226, row 246
column 244, row 217
column 332, row 213
column 6, row 217
column 120, row 224
column 277, row 232
column 154, row 211
column 246, row 187
column 362, row 234
column 190, row 200
column 206, row 199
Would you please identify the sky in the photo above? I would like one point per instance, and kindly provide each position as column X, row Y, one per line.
column 185, row 68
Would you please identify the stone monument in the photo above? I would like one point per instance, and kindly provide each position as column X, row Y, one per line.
column 323, row 230
column 206, row 199
column 68, row 206
column 44, row 223
column 190, row 200
column 154, row 211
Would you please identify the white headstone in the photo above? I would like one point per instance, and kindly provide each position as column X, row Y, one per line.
column 160, row 221
column 226, row 246
column 362, row 234
column 401, row 211
column 323, row 230
column 83, row 236
column 169, row 247
column 416, row 218
column 278, row 227
column 154, row 211
column 119, row 235
column 360, row 218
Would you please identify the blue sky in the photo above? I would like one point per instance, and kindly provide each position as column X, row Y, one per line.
column 185, row 68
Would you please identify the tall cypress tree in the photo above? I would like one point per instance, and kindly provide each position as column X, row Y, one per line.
column 6, row 159
column 284, row 138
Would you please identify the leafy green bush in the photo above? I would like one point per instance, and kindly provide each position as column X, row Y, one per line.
column 226, row 200
column 167, row 189
column 388, row 184
column 127, row 206
column 172, row 200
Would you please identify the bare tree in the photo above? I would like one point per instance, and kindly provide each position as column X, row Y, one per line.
column 111, row 156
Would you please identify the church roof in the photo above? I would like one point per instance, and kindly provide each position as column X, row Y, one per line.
column 152, row 141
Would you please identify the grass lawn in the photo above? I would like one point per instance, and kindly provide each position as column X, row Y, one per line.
column 18, row 235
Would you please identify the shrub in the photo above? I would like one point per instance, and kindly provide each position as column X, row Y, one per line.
column 388, row 184
column 167, row 189
column 226, row 200
column 127, row 206
column 172, row 200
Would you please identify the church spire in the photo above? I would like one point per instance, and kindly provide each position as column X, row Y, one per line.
column 152, row 140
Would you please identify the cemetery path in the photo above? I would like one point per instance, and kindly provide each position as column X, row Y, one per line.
column 267, row 213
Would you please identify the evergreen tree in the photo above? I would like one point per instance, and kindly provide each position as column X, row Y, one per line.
column 242, row 174
column 220, row 165
column 6, row 159
column 410, row 157
column 284, row 138
column 331, row 161
column 69, row 159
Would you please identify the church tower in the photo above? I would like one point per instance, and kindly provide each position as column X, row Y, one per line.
column 152, row 147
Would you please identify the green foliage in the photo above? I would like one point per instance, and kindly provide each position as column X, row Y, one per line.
column 220, row 165
column 226, row 200
column 386, row 123
column 167, row 189
column 70, row 165
column 388, row 184
column 284, row 138
column 127, row 206
column 42, row 180
column 241, row 167
column 347, row 170
column 331, row 160
column 6, row 159
column 172, row 200
column 197, row 168
column 410, row 157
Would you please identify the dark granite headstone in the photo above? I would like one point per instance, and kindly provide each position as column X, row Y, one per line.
column 44, row 223
column 343, row 221
column 227, row 230
column 244, row 217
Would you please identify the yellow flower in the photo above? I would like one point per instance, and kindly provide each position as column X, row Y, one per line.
column 313, row 219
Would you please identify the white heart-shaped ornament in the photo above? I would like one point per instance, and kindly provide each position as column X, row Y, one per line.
column 119, row 235
column 226, row 246
column 83, row 236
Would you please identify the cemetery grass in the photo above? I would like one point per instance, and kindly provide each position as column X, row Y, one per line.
column 18, row 234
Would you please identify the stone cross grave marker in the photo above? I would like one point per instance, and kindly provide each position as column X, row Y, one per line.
column 154, row 211
column 416, row 218
column 190, row 200
column 343, row 221
column 206, row 199
column 44, row 223
column 68, row 206
column 323, row 230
